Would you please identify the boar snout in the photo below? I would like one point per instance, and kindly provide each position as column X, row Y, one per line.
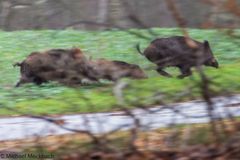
column 212, row 62
column 215, row 64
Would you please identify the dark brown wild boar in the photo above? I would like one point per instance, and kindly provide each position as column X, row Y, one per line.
column 114, row 70
column 176, row 51
column 68, row 66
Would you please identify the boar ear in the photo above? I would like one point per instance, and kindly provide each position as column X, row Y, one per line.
column 206, row 44
column 76, row 53
column 76, row 50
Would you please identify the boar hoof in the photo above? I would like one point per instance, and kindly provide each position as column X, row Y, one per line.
column 18, row 84
column 163, row 73
column 182, row 76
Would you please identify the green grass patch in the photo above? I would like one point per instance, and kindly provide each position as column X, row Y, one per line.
column 53, row 98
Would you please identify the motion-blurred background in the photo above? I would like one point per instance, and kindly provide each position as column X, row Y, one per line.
column 59, row 14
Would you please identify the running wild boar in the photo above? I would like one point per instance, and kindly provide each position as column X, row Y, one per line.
column 179, row 51
column 70, row 67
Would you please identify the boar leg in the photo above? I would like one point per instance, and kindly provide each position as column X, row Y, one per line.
column 21, row 81
column 185, row 70
column 33, row 79
column 18, row 84
column 38, row 80
column 162, row 72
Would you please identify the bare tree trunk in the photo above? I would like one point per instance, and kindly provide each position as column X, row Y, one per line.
column 4, row 13
column 102, row 16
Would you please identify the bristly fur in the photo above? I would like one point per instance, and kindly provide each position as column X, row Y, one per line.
column 175, row 51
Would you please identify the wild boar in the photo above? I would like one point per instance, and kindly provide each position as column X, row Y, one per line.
column 71, row 67
column 114, row 70
column 66, row 66
column 177, row 51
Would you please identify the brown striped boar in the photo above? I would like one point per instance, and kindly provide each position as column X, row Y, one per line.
column 181, row 52
column 115, row 70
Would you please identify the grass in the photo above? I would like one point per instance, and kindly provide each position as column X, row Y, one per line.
column 53, row 98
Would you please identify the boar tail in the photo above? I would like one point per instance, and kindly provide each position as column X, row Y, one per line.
column 138, row 49
column 17, row 64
